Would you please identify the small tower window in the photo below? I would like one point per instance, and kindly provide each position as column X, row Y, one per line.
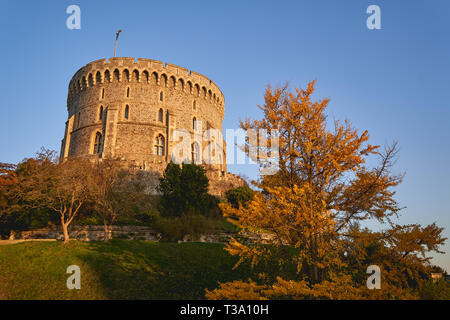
column 128, row 92
column 161, row 96
column 100, row 113
column 194, row 123
column 98, row 143
column 78, row 120
column 103, row 93
column 159, row 145
column 127, row 112
column 195, row 153
column 194, row 105
column 160, row 115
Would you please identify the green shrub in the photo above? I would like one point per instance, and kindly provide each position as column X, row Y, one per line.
column 239, row 196
column 184, row 191
column 27, row 219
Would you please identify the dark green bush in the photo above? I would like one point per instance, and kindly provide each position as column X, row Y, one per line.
column 239, row 196
column 184, row 191
column 26, row 219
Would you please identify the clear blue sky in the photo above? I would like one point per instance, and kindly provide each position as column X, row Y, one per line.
column 393, row 82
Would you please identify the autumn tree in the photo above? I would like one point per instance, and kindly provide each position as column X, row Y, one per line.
column 8, row 180
column 61, row 187
column 323, row 186
column 114, row 190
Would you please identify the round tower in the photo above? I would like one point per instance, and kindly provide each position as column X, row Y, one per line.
column 128, row 109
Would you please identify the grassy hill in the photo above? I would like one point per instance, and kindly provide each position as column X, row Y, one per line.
column 119, row 269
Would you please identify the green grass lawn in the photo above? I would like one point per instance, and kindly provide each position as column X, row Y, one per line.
column 119, row 269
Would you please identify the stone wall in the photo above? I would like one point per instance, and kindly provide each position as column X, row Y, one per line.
column 96, row 233
column 220, row 183
column 88, row 233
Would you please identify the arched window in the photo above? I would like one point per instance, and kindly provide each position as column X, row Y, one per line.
column 98, row 77
column 145, row 76
column 100, row 113
column 197, row 89
column 116, row 75
column 160, row 115
column 195, row 153
column 181, row 84
column 161, row 96
column 90, row 80
column 136, row 75
column 159, row 145
column 172, row 82
column 98, row 143
column 126, row 75
column 107, row 76
column 194, row 123
column 154, row 78
column 163, row 81
column 127, row 112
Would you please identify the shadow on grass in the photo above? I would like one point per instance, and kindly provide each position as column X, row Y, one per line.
column 157, row 270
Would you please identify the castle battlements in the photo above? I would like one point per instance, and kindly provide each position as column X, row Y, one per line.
column 124, row 69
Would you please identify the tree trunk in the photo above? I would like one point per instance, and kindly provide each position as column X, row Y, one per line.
column 107, row 236
column 65, row 231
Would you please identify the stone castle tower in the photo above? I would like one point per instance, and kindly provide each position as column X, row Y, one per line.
column 129, row 109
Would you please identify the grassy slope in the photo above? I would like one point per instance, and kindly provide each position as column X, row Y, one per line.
column 119, row 269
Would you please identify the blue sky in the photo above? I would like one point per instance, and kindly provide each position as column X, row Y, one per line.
column 394, row 82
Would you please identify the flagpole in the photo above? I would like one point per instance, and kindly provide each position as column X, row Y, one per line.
column 117, row 37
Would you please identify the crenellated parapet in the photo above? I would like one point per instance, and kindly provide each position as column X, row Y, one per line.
column 145, row 71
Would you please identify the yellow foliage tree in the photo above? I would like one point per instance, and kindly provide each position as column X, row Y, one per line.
column 323, row 186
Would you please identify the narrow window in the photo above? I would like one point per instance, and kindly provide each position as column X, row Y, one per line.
column 160, row 115
column 194, row 105
column 195, row 152
column 159, row 145
column 194, row 123
column 100, row 114
column 127, row 112
column 107, row 76
column 78, row 120
column 128, row 92
column 161, row 96
column 98, row 77
column 98, row 143
column 103, row 93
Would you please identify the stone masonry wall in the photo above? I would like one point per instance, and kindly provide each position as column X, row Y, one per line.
column 96, row 233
